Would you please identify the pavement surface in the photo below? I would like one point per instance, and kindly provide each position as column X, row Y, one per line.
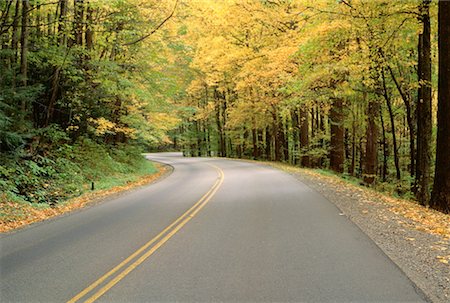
column 214, row 230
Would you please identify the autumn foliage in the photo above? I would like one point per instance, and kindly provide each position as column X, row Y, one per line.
column 347, row 85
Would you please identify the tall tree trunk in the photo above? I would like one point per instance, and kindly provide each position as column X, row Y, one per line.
column 24, row 43
column 268, row 144
column 38, row 20
column 440, row 198
column 276, row 132
column 313, row 122
column 24, row 48
column 62, row 38
column 49, row 26
column 224, row 123
column 199, row 137
column 15, row 33
column 337, row 135
column 220, row 128
column 385, row 148
column 351, row 169
column 391, row 117
column 285, row 139
column 62, row 22
column 370, row 159
column 424, row 126
column 295, row 134
column 304, row 137
column 208, row 141
column 78, row 6
column 255, row 144
column 406, row 97
column 89, row 35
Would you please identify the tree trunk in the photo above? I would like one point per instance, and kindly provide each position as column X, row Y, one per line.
column 268, row 144
column 391, row 117
column 24, row 44
column 276, row 132
column 440, row 198
column 15, row 33
column 370, row 159
column 351, row 169
column 62, row 22
column 406, row 97
column 424, row 126
column 255, row 144
column 385, row 148
column 78, row 6
column 295, row 134
column 220, row 130
column 337, row 135
column 89, row 35
column 284, row 139
column 38, row 20
column 49, row 26
column 304, row 137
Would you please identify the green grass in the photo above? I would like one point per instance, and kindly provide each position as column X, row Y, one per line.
column 119, row 179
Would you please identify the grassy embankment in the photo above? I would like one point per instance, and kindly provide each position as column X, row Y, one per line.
column 41, row 184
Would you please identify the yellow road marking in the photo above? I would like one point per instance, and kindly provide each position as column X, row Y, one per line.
column 184, row 218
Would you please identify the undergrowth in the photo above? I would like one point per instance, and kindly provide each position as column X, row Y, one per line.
column 52, row 168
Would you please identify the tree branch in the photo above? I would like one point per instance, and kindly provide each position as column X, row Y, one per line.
column 156, row 28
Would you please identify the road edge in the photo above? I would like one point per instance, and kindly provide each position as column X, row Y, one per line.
column 95, row 200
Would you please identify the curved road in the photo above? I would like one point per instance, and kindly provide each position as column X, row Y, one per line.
column 214, row 230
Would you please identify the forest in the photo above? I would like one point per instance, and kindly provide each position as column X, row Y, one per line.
column 358, row 87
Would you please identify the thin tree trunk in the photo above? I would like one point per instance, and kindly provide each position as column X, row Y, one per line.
column 55, row 79
column 255, row 144
column 385, row 148
column 50, row 26
column 351, row 170
column 15, row 33
column 89, row 35
column 337, row 135
column 285, row 139
column 221, row 139
column 24, row 42
column 304, row 137
column 295, row 134
column 276, row 131
column 424, row 126
column 24, row 48
column 208, row 142
column 391, row 117
column 410, row 120
column 78, row 6
column 440, row 198
column 268, row 144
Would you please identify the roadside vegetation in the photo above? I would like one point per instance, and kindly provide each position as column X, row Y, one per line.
column 54, row 187
column 356, row 87
column 80, row 98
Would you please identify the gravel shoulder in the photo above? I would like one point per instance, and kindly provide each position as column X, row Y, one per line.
column 416, row 238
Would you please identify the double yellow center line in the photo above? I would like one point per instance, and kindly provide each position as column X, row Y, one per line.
column 102, row 285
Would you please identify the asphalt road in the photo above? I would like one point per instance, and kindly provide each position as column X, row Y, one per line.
column 237, row 232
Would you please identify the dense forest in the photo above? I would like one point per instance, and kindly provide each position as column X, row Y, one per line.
column 358, row 87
